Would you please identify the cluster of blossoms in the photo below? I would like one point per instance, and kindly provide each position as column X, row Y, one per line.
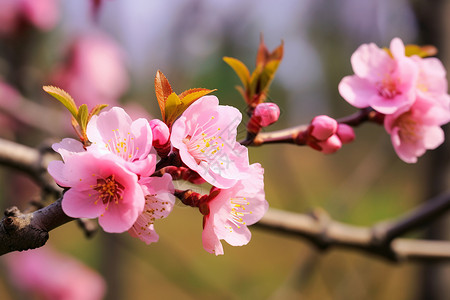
column 124, row 175
column 410, row 92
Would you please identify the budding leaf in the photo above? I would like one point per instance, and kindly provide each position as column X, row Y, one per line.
column 240, row 69
column 96, row 110
column 190, row 96
column 82, row 117
column 63, row 97
column 422, row 51
column 162, row 90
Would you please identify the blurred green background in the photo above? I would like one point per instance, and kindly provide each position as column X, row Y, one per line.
column 361, row 184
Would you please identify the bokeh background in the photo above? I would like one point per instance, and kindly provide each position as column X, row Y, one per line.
column 111, row 55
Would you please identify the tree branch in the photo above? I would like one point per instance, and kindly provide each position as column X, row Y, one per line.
column 20, row 231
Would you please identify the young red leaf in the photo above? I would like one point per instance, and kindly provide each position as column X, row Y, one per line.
column 162, row 90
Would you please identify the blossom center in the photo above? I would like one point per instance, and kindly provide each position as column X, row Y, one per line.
column 122, row 146
column 205, row 142
column 387, row 88
column 238, row 212
column 109, row 190
column 409, row 131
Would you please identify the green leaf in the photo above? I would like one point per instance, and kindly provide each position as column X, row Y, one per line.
column 268, row 73
column 63, row 97
column 240, row 69
column 188, row 97
column 82, row 117
column 172, row 105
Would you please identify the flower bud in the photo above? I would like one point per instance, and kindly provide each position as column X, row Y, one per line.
column 160, row 132
column 345, row 133
column 268, row 113
column 322, row 127
column 331, row 145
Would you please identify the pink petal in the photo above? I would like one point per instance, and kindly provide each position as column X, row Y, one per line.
column 356, row 91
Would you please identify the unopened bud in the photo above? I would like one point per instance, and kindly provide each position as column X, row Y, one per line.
column 322, row 127
column 268, row 113
column 345, row 133
column 331, row 145
column 160, row 132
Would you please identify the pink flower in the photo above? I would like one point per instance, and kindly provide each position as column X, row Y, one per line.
column 415, row 130
column 161, row 132
column 43, row 14
column 205, row 136
column 268, row 113
column 322, row 127
column 114, row 132
column 159, row 201
column 100, row 187
column 386, row 83
column 49, row 275
column 230, row 212
column 95, row 71
column 432, row 81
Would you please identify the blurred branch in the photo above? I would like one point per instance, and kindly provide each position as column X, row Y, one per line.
column 290, row 135
column 20, row 231
column 381, row 239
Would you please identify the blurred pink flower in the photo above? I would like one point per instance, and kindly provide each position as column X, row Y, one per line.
column 159, row 201
column 43, row 14
column 384, row 82
column 114, row 132
column 432, row 81
column 52, row 276
column 95, row 71
column 100, row 187
column 268, row 113
column 415, row 130
column 205, row 135
column 230, row 212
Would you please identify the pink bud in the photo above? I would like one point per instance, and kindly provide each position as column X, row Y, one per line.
column 345, row 133
column 331, row 145
column 322, row 127
column 160, row 132
column 267, row 112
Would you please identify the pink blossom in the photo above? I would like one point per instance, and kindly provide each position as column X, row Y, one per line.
column 322, row 127
column 268, row 113
column 95, row 71
column 205, row 136
column 345, row 133
column 432, row 81
column 49, row 275
column 113, row 131
column 386, row 83
column 415, row 130
column 43, row 14
column 159, row 201
column 232, row 210
column 100, row 187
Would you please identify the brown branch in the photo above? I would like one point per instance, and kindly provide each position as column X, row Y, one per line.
column 20, row 231
column 380, row 240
